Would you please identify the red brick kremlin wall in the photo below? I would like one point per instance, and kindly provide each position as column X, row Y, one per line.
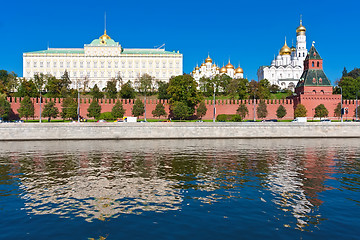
column 222, row 106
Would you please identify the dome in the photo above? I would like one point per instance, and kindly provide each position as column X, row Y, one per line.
column 193, row 72
column 229, row 66
column 217, row 68
column 301, row 29
column 285, row 50
column 223, row 70
column 293, row 49
column 239, row 70
column 197, row 68
column 105, row 36
column 203, row 64
column 214, row 65
column 208, row 59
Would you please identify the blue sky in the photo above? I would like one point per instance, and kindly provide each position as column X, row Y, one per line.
column 247, row 32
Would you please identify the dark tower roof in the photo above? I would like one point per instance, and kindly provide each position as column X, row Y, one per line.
column 313, row 74
column 313, row 54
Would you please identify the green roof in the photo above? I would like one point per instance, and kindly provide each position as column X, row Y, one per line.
column 108, row 43
column 313, row 54
column 313, row 77
column 146, row 51
column 70, row 51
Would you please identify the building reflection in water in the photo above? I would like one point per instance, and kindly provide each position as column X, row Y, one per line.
column 101, row 180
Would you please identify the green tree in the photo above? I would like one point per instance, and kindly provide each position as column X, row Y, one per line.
column 27, row 88
column 5, row 107
column 69, row 109
column 201, row 110
column 183, row 88
column 180, row 110
column 224, row 83
column 242, row 111
column 118, row 110
column 263, row 89
column 159, row 110
column 95, row 92
column 144, row 84
column 262, row 110
column 281, row 111
column 321, row 111
column 358, row 112
column 127, row 91
column 8, row 82
column 274, row 88
column 50, row 111
column 94, row 109
column 26, row 108
column 39, row 82
column 162, row 90
column 337, row 110
column 300, row 111
column 138, row 108
column 110, row 89
column 53, row 86
column 232, row 88
column 243, row 89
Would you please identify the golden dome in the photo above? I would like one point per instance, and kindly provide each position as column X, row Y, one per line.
column 293, row 49
column 194, row 72
column 285, row 50
column 223, row 70
column 229, row 65
column 208, row 59
column 214, row 65
column 203, row 64
column 239, row 70
column 301, row 29
column 197, row 68
column 217, row 68
column 105, row 36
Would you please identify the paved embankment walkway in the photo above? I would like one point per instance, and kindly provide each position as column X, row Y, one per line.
column 172, row 130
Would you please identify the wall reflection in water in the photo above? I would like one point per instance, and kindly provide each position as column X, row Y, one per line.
column 104, row 179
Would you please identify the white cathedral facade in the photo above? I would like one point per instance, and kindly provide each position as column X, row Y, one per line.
column 209, row 70
column 102, row 60
column 286, row 69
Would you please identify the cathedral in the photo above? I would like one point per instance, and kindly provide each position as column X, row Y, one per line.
column 209, row 70
column 286, row 69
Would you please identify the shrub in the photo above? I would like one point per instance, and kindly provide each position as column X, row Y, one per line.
column 228, row 118
column 106, row 116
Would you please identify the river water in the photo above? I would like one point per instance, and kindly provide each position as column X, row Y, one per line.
column 180, row 189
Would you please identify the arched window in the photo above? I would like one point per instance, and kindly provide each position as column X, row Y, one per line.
column 314, row 91
column 322, row 91
column 318, row 64
column 312, row 64
column 299, row 55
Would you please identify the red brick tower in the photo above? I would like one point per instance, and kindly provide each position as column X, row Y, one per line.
column 314, row 87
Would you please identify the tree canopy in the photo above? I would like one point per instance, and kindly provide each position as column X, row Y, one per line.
column 118, row 110
column 261, row 110
column 201, row 110
column 159, row 110
column 5, row 107
column 242, row 111
column 127, row 91
column 27, row 108
column 138, row 108
column 321, row 111
column 94, row 109
column 281, row 111
column 50, row 111
column 300, row 111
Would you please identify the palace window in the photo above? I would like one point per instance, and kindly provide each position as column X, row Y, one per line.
column 54, row 64
column 61, row 64
column 68, row 64
column 34, row 64
column 102, row 64
column 95, row 64
column 143, row 65
column 102, row 74
column 109, row 64
column 41, row 64
column 48, row 64
column 136, row 65
column 95, row 74
column 74, row 64
column 88, row 64
column 171, row 65
column 81, row 64
column 130, row 65
column 116, row 64
column 164, row 65
column 157, row 65
column 109, row 74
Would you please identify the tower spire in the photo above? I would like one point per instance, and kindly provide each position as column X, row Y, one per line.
column 105, row 22
column 300, row 19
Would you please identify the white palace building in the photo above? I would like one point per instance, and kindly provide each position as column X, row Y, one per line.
column 102, row 60
column 285, row 71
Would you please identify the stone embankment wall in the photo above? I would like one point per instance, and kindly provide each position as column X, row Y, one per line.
column 172, row 130
column 222, row 107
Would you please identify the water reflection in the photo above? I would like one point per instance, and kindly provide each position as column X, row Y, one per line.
column 103, row 180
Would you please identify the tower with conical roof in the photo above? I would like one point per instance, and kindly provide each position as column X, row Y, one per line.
column 314, row 87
